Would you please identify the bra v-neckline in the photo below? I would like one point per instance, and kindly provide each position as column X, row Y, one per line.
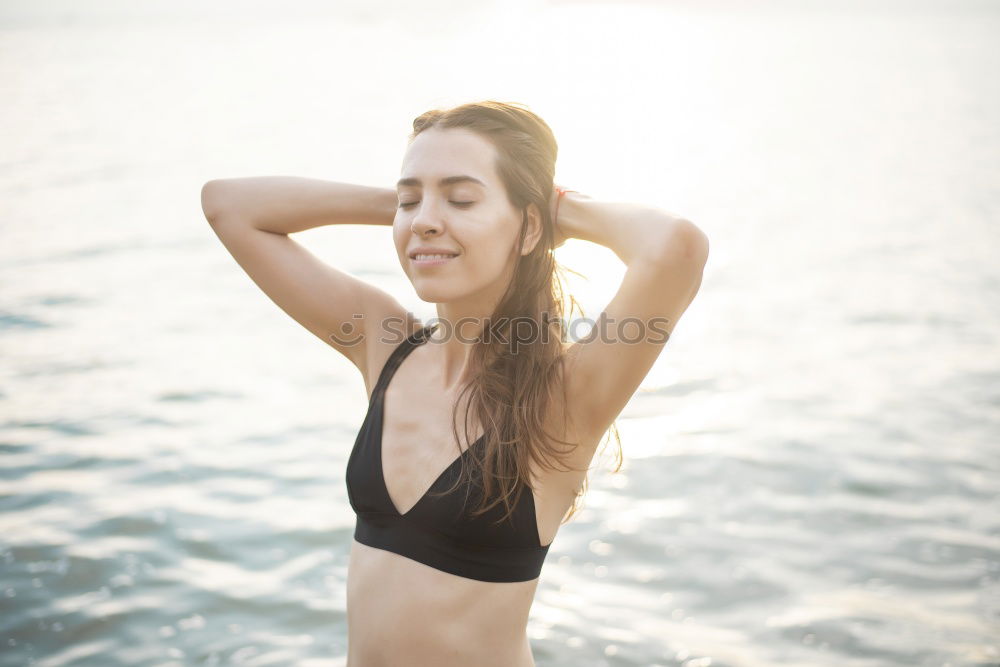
column 414, row 343
column 433, row 485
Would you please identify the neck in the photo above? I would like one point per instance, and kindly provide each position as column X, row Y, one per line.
column 458, row 330
column 461, row 323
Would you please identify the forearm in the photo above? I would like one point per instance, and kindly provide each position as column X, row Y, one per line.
column 289, row 204
column 631, row 231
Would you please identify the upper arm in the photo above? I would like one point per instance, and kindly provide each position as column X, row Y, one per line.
column 338, row 308
column 605, row 369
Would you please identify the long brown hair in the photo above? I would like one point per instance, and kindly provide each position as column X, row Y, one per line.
column 511, row 387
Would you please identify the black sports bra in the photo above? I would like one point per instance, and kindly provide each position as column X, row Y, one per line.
column 437, row 531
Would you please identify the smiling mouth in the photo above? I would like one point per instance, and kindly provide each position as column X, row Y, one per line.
column 423, row 259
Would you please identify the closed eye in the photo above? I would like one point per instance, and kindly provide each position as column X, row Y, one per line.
column 462, row 204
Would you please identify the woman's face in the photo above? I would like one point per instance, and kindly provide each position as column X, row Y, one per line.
column 452, row 200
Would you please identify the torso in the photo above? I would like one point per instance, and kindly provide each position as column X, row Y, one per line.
column 401, row 611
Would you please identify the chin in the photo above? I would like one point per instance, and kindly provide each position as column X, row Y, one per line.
column 450, row 289
column 435, row 293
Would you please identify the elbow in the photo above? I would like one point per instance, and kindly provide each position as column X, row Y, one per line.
column 698, row 244
column 687, row 244
column 211, row 199
column 684, row 260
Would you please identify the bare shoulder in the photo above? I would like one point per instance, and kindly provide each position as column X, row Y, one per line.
column 385, row 331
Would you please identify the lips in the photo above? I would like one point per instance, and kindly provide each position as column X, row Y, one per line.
column 422, row 260
column 424, row 250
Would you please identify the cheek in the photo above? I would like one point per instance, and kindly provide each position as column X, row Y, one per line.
column 492, row 250
column 504, row 239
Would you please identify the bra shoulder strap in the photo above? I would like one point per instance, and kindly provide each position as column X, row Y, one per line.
column 400, row 352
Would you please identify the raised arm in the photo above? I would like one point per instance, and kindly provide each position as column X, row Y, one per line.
column 253, row 218
column 289, row 204
column 664, row 256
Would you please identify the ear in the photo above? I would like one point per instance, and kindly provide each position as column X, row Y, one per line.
column 534, row 229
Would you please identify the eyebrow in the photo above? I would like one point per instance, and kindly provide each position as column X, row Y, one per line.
column 448, row 180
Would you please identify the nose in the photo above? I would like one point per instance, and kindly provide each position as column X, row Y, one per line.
column 424, row 228
column 425, row 221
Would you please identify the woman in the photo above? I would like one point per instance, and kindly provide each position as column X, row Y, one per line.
column 439, row 575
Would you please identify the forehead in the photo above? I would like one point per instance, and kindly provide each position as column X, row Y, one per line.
column 435, row 154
